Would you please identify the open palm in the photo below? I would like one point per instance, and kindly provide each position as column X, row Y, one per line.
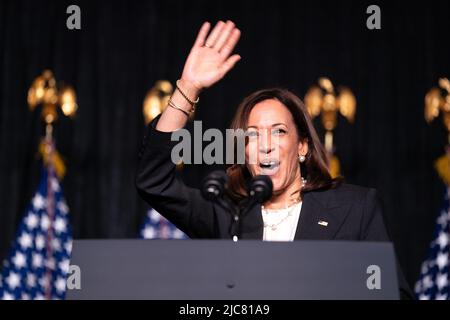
column 209, row 59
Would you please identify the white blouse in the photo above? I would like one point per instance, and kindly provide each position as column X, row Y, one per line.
column 281, row 224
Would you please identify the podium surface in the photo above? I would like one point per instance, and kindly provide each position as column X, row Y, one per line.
column 226, row 270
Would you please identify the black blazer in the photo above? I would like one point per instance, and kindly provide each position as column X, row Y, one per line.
column 352, row 212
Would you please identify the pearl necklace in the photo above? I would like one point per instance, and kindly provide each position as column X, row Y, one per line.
column 274, row 226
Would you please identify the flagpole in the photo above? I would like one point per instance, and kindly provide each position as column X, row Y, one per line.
column 44, row 92
column 433, row 281
column 38, row 262
column 324, row 100
column 49, row 149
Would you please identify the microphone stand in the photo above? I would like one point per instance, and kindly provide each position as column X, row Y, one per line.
column 237, row 213
column 235, row 216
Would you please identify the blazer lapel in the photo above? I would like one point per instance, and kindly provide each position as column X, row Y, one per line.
column 319, row 220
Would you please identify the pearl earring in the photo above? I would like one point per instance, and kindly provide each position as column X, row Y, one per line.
column 301, row 158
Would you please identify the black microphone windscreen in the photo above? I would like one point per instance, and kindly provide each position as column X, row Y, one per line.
column 213, row 185
column 261, row 188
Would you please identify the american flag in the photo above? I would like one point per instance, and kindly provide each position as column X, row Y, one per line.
column 157, row 227
column 433, row 283
column 38, row 263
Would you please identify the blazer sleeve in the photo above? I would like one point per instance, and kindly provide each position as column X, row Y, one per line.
column 158, row 185
column 373, row 229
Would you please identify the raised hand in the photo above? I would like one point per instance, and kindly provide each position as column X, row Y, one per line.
column 208, row 62
column 209, row 59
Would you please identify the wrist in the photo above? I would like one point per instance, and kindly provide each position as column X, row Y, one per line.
column 191, row 88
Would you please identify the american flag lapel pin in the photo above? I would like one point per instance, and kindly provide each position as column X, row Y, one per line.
column 322, row 223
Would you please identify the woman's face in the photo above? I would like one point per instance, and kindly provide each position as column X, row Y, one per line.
column 273, row 144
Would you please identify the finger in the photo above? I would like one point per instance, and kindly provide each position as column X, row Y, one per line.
column 224, row 35
column 212, row 38
column 200, row 41
column 230, row 44
column 229, row 63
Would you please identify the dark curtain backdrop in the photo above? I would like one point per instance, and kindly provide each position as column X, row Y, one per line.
column 125, row 46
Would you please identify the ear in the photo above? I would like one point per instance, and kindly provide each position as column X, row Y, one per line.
column 303, row 147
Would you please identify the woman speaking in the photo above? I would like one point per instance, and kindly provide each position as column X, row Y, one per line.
column 306, row 202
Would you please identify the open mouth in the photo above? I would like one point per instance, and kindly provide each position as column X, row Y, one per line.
column 269, row 166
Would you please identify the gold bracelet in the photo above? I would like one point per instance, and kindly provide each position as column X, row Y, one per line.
column 171, row 104
column 192, row 103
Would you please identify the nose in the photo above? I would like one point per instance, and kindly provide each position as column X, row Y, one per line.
column 266, row 149
column 265, row 144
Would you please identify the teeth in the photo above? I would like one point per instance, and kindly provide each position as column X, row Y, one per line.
column 269, row 163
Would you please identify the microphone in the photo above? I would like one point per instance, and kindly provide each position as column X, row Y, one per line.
column 260, row 189
column 213, row 189
column 213, row 185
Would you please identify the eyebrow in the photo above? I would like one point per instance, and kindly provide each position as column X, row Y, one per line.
column 273, row 125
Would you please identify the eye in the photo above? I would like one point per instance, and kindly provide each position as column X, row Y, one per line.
column 278, row 132
column 252, row 133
